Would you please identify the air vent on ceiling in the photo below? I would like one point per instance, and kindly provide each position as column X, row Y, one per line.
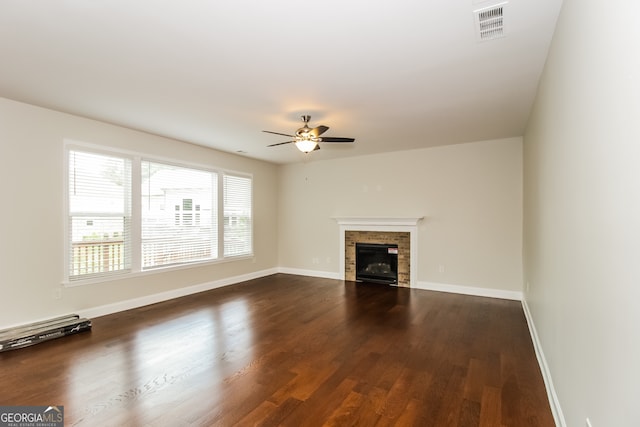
column 490, row 22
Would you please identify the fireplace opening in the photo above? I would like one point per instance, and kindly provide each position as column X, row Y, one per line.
column 377, row 262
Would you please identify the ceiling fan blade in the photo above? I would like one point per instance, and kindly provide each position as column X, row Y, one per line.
column 317, row 147
column 317, row 131
column 335, row 139
column 278, row 133
column 280, row 143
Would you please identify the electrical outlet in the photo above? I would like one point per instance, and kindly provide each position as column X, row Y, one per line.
column 441, row 268
column 588, row 422
column 57, row 293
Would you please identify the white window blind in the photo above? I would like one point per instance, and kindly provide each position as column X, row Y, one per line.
column 127, row 214
column 238, row 229
column 179, row 215
column 99, row 215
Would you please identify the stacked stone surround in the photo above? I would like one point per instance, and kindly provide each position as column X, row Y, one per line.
column 402, row 239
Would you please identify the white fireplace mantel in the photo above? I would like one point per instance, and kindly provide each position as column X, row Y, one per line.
column 398, row 224
column 404, row 221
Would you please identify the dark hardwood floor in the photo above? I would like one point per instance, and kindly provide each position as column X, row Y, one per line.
column 295, row 351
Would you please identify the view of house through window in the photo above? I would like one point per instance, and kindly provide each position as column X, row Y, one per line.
column 178, row 215
column 176, row 222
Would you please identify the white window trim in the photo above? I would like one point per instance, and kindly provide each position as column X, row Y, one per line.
column 136, row 214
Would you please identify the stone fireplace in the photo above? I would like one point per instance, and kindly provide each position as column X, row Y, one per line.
column 399, row 238
column 400, row 231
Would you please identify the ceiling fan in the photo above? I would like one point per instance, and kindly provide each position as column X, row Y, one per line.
column 306, row 139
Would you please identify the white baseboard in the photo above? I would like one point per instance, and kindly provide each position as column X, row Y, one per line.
column 103, row 310
column 429, row 286
column 312, row 273
column 556, row 410
column 470, row 290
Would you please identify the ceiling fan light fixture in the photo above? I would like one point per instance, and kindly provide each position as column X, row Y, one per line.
column 306, row 139
column 306, row 145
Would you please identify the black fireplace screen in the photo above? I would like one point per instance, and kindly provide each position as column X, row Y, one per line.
column 376, row 262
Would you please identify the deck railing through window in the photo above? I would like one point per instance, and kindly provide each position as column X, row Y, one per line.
column 100, row 256
column 166, row 251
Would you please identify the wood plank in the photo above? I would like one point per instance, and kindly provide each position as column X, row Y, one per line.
column 491, row 407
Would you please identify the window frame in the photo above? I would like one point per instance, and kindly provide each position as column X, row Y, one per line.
column 135, row 262
column 68, row 229
column 179, row 213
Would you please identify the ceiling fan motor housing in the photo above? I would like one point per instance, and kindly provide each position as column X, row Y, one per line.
column 303, row 132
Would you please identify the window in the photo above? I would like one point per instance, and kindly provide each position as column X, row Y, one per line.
column 238, row 234
column 127, row 214
column 189, row 232
column 99, row 218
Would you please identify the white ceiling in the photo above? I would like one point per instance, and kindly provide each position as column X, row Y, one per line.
column 394, row 75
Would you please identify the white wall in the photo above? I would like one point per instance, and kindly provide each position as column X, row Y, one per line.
column 582, row 212
column 470, row 196
column 31, row 217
